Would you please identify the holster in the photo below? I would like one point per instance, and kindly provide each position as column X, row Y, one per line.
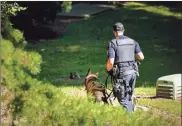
column 115, row 70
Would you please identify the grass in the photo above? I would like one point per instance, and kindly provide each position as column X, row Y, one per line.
column 168, row 105
column 144, row 91
column 83, row 46
column 161, row 10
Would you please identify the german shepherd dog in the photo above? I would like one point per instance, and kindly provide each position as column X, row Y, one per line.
column 92, row 86
column 98, row 91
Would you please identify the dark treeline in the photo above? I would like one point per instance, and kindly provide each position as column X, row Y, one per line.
column 37, row 14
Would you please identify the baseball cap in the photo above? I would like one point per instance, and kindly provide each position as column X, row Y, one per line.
column 118, row 27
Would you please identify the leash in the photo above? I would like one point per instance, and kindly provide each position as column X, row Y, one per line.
column 106, row 84
column 107, row 80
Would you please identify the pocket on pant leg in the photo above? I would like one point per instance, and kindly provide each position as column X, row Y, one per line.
column 131, row 79
column 122, row 93
column 116, row 89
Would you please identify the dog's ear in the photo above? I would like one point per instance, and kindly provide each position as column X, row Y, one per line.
column 89, row 71
column 97, row 73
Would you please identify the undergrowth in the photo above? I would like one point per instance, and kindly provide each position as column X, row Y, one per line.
column 48, row 105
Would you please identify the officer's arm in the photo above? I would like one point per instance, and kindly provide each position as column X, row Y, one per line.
column 140, row 56
column 111, row 57
column 138, row 52
column 109, row 64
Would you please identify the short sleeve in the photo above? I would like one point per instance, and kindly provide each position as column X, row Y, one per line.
column 137, row 48
column 111, row 50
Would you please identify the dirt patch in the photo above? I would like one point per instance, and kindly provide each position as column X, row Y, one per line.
column 157, row 112
column 76, row 92
column 164, row 113
column 145, row 96
column 154, row 97
column 6, row 108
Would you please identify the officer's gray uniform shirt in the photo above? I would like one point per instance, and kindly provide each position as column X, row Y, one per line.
column 112, row 54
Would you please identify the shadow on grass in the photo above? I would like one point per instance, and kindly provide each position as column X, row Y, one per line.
column 84, row 43
column 174, row 6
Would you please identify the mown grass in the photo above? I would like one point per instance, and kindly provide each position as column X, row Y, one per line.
column 83, row 46
column 168, row 105
column 161, row 10
column 145, row 91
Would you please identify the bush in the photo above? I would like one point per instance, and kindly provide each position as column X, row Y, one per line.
column 17, row 65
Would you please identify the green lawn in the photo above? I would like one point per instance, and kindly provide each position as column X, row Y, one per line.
column 84, row 43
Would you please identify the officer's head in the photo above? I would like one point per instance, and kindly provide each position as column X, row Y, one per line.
column 118, row 29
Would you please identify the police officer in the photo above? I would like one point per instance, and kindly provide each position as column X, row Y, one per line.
column 121, row 55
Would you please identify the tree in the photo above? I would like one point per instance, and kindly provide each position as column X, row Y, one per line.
column 17, row 65
column 37, row 15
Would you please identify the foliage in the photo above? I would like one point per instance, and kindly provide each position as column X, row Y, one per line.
column 15, row 60
column 67, row 6
column 17, row 65
column 14, row 35
column 14, row 57
column 18, row 57
column 8, row 9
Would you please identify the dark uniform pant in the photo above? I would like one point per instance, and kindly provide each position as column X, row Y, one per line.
column 124, row 88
